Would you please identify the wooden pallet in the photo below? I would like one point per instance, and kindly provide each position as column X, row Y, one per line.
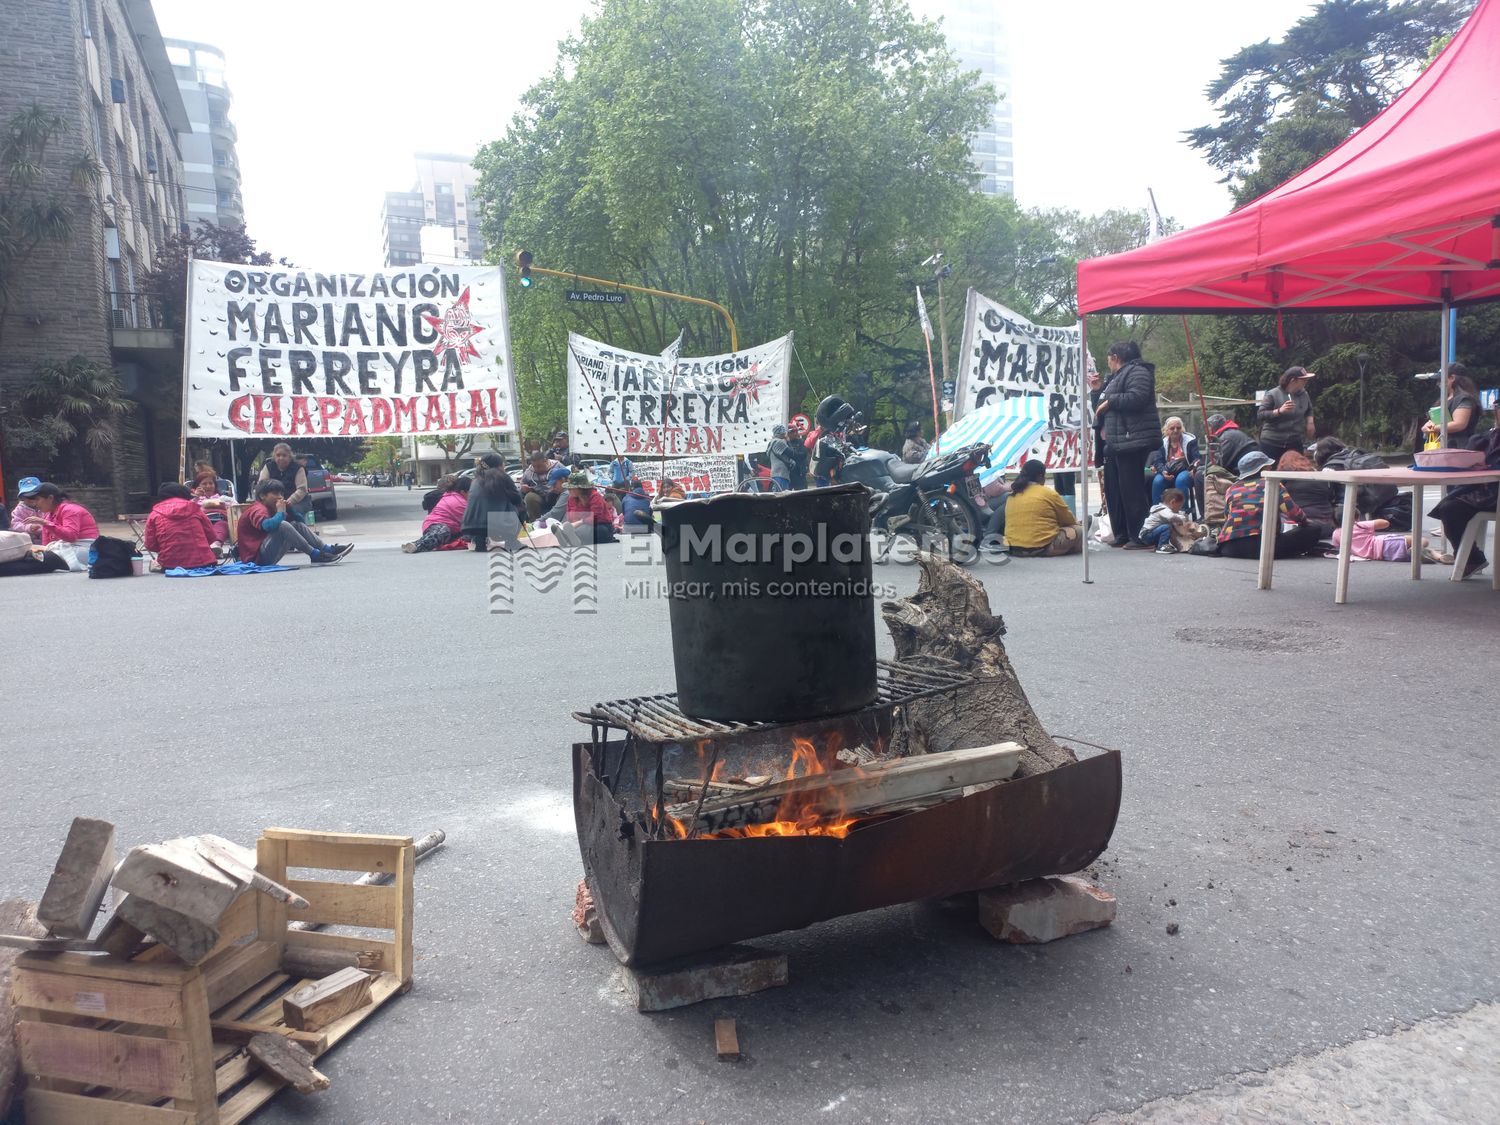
column 150, row 1041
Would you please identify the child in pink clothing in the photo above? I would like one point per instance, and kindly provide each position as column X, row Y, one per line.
column 1369, row 543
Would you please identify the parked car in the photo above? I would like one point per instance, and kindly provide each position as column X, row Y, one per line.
column 320, row 497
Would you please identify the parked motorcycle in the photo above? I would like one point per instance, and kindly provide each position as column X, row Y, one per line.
column 933, row 502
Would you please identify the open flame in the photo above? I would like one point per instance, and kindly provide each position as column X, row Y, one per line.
column 798, row 813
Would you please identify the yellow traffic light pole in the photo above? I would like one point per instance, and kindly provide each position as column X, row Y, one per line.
column 734, row 338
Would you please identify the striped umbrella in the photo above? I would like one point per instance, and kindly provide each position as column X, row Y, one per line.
column 1008, row 427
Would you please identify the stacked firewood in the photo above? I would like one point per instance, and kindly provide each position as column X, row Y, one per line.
column 174, row 893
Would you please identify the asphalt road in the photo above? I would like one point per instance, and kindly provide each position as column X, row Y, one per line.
column 1310, row 795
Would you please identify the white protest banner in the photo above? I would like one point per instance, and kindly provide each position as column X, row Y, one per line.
column 636, row 405
column 718, row 472
column 281, row 351
column 1005, row 356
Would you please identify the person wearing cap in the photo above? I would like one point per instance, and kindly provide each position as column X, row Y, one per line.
column 1286, row 417
column 23, row 515
column 60, row 519
column 1230, row 442
column 588, row 517
column 559, row 448
column 1244, row 508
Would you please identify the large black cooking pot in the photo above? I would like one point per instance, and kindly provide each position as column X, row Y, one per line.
column 772, row 606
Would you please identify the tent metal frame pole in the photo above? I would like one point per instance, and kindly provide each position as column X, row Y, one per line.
column 1085, row 447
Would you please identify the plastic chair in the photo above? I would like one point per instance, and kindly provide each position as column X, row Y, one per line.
column 1465, row 547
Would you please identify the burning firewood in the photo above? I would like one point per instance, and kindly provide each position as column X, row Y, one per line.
column 949, row 619
column 835, row 798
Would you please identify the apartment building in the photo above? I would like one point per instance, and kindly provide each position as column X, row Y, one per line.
column 101, row 66
column 210, row 162
column 437, row 216
column 976, row 34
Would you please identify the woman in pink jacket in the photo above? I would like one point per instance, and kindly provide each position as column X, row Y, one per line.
column 443, row 523
column 62, row 520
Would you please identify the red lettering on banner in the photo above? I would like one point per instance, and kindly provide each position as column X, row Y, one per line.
column 478, row 416
column 633, row 441
column 302, row 422
column 237, row 410
column 433, row 419
column 267, row 410
column 354, row 417
column 328, row 410
column 497, row 415
column 404, row 408
column 380, row 415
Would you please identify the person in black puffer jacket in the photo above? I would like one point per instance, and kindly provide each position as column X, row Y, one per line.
column 1132, row 429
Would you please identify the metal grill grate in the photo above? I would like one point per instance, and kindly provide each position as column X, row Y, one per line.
column 657, row 718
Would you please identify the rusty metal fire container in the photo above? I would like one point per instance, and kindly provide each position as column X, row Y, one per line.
column 772, row 605
column 661, row 896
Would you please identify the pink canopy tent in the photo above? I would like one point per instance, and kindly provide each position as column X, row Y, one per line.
column 1404, row 214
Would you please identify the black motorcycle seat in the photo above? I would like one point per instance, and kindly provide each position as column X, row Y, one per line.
column 901, row 472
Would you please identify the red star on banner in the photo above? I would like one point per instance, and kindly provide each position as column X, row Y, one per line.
column 749, row 384
column 456, row 329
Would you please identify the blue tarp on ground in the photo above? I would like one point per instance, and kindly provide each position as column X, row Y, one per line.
column 222, row 568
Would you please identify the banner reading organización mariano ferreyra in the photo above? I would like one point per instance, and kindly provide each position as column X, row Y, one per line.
column 280, row 351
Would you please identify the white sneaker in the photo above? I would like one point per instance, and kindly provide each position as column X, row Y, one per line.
column 409, row 548
column 1166, row 549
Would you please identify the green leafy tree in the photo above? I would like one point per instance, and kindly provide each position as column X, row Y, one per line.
column 167, row 279
column 792, row 159
column 67, row 418
column 380, row 454
column 1339, row 65
column 42, row 196
column 1283, row 106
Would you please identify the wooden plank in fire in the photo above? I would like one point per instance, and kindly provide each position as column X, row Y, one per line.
column 854, row 792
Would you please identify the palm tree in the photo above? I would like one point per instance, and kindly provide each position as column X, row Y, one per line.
column 75, row 403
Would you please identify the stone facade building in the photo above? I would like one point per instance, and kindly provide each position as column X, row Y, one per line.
column 102, row 67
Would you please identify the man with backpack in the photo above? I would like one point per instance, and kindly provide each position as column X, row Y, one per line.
column 1373, row 501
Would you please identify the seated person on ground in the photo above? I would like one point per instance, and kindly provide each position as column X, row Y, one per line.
column 1239, row 538
column 225, row 487
column 588, row 517
column 23, row 511
column 536, row 485
column 1315, row 498
column 61, row 520
column 436, row 492
column 445, row 522
column 1368, row 542
column 636, row 505
column 266, row 531
column 178, row 529
column 1163, row 519
column 1037, row 521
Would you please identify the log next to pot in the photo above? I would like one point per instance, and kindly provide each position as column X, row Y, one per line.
column 772, row 604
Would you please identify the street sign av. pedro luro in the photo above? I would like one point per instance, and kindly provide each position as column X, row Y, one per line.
column 594, row 297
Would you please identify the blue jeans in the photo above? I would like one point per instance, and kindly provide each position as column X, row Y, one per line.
column 783, row 483
column 1158, row 536
column 1183, row 484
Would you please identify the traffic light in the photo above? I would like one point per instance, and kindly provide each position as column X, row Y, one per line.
column 523, row 263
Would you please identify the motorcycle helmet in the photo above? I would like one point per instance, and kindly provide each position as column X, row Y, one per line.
column 827, row 408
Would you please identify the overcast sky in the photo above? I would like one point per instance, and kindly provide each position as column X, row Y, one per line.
column 332, row 97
